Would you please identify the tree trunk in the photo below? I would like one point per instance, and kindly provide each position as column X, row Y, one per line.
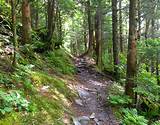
column 115, row 37
column 146, row 37
column 153, row 36
column 139, row 20
column 26, row 22
column 85, row 40
column 36, row 16
column 13, row 11
column 120, row 26
column 51, row 20
column 131, row 56
column 98, row 37
column 157, row 69
column 90, row 27
column 147, row 28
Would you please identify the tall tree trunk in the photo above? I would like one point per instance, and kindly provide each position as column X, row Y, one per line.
column 85, row 39
column 115, row 37
column 98, row 36
column 157, row 69
column 36, row 16
column 120, row 26
column 131, row 56
column 51, row 20
column 139, row 20
column 26, row 22
column 152, row 36
column 59, row 28
column 90, row 27
column 147, row 28
column 146, row 37
column 13, row 11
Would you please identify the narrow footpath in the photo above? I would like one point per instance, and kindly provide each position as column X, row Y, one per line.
column 91, row 108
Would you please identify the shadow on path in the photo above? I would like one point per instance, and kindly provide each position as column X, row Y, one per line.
column 91, row 107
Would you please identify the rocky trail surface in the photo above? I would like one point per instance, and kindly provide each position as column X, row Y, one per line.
column 91, row 108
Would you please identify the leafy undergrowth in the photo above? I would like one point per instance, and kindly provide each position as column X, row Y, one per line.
column 147, row 109
column 36, row 93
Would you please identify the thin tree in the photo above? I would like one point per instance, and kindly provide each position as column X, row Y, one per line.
column 13, row 12
column 90, row 28
column 98, row 36
column 139, row 20
column 51, row 20
column 120, row 27
column 115, row 37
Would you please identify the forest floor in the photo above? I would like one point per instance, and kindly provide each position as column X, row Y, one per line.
column 92, row 108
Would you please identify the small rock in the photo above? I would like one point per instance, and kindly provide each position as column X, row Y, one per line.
column 79, row 102
column 82, row 93
column 97, row 121
column 92, row 116
column 76, row 121
column 45, row 88
column 84, row 120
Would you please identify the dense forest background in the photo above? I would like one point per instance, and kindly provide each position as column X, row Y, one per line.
column 40, row 39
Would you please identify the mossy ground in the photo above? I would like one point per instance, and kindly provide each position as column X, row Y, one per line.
column 47, row 107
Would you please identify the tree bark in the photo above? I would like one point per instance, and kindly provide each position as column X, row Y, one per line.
column 36, row 16
column 51, row 20
column 98, row 37
column 13, row 11
column 131, row 56
column 152, row 36
column 26, row 22
column 139, row 20
column 146, row 37
column 115, row 37
column 157, row 69
column 90, row 28
column 120, row 26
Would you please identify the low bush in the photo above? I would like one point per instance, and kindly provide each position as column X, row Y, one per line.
column 131, row 117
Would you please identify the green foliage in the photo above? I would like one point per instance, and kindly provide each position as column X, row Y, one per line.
column 119, row 100
column 5, row 80
column 149, row 92
column 156, row 123
column 107, row 61
column 60, row 61
column 13, row 118
column 4, row 8
column 12, row 101
column 22, row 77
column 131, row 117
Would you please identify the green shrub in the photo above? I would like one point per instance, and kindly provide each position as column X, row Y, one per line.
column 131, row 117
column 6, row 80
column 156, row 123
column 119, row 100
column 12, row 101
column 148, row 92
column 60, row 61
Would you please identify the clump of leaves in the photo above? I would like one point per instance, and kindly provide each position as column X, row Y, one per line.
column 131, row 117
column 5, row 80
column 156, row 123
column 12, row 101
column 22, row 76
column 119, row 100
column 61, row 62
column 148, row 92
